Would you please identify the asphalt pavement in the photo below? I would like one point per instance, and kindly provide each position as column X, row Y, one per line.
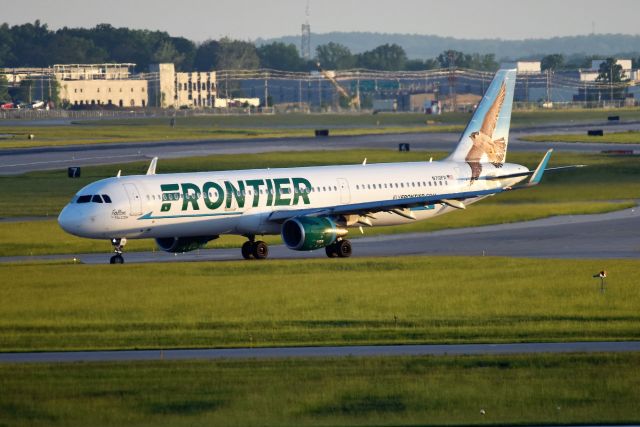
column 345, row 351
column 600, row 236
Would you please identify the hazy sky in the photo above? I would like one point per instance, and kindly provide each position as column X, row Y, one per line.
column 199, row 20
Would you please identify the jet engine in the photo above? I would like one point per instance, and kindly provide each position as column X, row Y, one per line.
column 308, row 233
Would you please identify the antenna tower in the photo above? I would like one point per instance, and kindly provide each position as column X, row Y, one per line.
column 305, row 42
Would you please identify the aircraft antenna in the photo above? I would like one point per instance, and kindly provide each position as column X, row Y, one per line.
column 305, row 41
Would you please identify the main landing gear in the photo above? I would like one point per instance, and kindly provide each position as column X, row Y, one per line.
column 118, row 245
column 340, row 248
column 253, row 249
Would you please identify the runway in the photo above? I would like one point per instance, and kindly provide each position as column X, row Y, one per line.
column 17, row 161
column 601, row 236
column 346, row 351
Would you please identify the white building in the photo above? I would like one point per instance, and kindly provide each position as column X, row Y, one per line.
column 168, row 88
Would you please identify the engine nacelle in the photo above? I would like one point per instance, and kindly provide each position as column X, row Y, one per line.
column 308, row 233
column 183, row 244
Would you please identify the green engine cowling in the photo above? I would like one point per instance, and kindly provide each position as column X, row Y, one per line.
column 308, row 233
column 183, row 244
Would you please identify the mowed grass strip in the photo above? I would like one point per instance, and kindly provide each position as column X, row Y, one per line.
column 52, row 136
column 606, row 178
column 629, row 137
column 480, row 390
column 318, row 302
column 27, row 238
column 275, row 126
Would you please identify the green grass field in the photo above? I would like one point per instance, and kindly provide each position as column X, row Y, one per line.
column 629, row 137
column 319, row 302
column 512, row 390
column 116, row 132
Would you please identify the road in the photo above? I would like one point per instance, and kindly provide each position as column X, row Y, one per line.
column 346, row 351
column 601, row 236
column 17, row 161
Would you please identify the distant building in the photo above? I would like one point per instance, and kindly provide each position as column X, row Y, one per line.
column 528, row 67
column 168, row 88
column 591, row 74
column 101, row 85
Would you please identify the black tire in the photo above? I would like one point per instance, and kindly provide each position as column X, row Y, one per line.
column 344, row 248
column 260, row 250
column 117, row 259
column 247, row 250
column 331, row 250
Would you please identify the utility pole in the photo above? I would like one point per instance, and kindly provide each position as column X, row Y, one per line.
column 611, row 85
column 452, row 80
column 548, row 86
column 266, row 90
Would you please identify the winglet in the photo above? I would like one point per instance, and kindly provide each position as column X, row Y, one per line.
column 152, row 166
column 537, row 174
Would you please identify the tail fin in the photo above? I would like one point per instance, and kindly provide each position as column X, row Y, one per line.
column 486, row 136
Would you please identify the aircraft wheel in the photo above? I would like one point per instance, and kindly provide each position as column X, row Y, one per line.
column 260, row 250
column 117, row 259
column 331, row 250
column 247, row 250
column 344, row 248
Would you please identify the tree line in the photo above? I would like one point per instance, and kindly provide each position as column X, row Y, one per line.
column 35, row 45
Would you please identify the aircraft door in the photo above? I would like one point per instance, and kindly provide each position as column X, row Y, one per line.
column 134, row 199
column 345, row 193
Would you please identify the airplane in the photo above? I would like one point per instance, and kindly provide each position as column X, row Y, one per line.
column 310, row 207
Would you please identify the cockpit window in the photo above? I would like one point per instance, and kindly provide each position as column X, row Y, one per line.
column 84, row 199
column 96, row 199
column 106, row 198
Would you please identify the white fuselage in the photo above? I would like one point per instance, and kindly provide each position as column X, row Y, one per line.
column 240, row 202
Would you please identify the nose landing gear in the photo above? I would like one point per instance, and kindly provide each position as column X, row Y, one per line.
column 118, row 245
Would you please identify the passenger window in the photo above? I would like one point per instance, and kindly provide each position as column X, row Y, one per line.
column 106, row 198
column 96, row 199
column 402, row 184
column 84, row 199
column 440, row 183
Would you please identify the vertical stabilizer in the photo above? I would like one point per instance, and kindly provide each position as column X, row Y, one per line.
column 486, row 137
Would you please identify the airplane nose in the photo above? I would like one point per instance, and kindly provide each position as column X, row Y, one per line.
column 68, row 220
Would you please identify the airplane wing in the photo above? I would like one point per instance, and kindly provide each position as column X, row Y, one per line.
column 396, row 205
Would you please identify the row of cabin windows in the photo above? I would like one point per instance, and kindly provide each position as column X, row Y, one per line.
column 401, row 185
column 93, row 198
column 214, row 194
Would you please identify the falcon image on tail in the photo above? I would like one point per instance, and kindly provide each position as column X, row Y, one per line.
column 483, row 142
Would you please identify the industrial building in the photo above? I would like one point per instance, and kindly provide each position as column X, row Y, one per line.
column 100, row 84
column 168, row 88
